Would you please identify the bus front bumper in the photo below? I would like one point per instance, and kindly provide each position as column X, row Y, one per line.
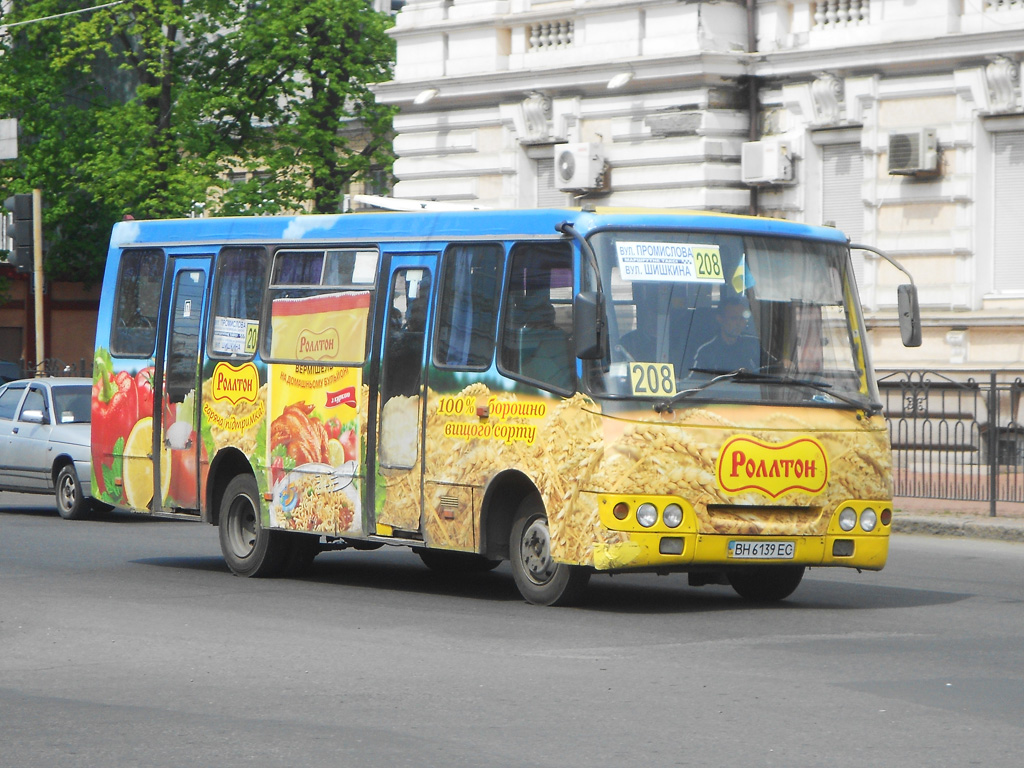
column 698, row 551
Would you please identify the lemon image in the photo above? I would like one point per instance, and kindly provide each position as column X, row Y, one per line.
column 137, row 466
column 336, row 452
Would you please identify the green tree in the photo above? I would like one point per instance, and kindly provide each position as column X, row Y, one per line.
column 143, row 109
column 289, row 92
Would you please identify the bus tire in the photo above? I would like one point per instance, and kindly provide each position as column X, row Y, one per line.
column 454, row 563
column 541, row 580
column 71, row 505
column 766, row 583
column 249, row 549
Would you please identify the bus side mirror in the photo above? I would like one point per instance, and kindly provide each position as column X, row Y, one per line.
column 588, row 326
column 910, row 314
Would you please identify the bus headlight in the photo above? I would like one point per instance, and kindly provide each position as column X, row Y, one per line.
column 847, row 519
column 868, row 520
column 647, row 515
column 673, row 515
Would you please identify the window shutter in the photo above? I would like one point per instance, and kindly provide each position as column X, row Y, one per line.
column 842, row 205
column 548, row 194
column 1008, row 222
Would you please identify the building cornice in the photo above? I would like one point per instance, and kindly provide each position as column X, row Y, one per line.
column 588, row 79
column 891, row 57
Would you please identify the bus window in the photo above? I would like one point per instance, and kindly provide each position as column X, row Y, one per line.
column 403, row 368
column 467, row 306
column 312, row 315
column 138, row 300
column 407, row 325
column 238, row 299
column 536, row 341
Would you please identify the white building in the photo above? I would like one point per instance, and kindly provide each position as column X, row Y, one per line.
column 899, row 121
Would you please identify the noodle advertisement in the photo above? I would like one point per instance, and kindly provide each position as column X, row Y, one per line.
column 314, row 435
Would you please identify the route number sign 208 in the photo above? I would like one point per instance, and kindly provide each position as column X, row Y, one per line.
column 652, row 379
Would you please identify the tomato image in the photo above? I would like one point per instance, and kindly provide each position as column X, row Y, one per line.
column 144, row 390
column 333, row 427
column 185, row 474
column 350, row 443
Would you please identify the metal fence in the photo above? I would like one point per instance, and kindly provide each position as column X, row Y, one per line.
column 53, row 366
column 957, row 440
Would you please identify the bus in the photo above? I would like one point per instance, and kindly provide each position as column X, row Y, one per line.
column 574, row 391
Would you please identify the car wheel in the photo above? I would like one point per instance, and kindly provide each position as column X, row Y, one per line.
column 70, row 503
column 540, row 579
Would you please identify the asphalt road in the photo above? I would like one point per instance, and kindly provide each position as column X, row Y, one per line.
column 126, row 642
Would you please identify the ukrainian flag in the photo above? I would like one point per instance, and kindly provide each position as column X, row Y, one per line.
column 741, row 278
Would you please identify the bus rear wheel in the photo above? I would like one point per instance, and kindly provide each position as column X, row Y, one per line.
column 540, row 579
column 249, row 549
column 767, row 583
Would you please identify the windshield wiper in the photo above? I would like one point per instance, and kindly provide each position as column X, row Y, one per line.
column 742, row 375
column 666, row 405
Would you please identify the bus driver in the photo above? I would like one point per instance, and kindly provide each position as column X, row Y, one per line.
column 730, row 349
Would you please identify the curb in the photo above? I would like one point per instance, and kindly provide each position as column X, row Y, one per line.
column 963, row 527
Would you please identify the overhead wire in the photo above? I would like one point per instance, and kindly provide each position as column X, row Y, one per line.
column 61, row 15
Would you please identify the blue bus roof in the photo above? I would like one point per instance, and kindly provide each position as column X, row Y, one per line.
column 444, row 225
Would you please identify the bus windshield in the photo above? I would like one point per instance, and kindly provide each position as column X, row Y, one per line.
column 724, row 317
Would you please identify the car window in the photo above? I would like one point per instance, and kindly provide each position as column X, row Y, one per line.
column 9, row 400
column 71, row 404
column 36, row 401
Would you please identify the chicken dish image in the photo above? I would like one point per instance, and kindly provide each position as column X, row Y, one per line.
column 303, row 436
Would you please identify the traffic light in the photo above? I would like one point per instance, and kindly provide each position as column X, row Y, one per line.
column 21, row 255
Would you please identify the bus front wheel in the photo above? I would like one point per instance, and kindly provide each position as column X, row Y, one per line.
column 249, row 549
column 540, row 579
column 766, row 584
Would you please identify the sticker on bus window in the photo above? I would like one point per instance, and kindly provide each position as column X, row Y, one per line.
column 364, row 269
column 669, row 262
column 652, row 379
column 234, row 336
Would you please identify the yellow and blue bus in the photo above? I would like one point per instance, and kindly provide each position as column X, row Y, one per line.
column 573, row 391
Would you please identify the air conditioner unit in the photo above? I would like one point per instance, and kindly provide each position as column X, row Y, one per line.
column 579, row 167
column 766, row 162
column 913, row 153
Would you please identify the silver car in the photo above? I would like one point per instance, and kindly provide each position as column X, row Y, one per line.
column 45, row 439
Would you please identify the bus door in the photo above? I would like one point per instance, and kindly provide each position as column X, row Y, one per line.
column 176, row 475
column 402, row 390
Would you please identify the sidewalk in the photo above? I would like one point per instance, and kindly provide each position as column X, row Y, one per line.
column 958, row 518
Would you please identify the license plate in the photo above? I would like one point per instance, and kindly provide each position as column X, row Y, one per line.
column 762, row 550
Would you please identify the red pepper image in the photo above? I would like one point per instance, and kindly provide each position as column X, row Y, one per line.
column 114, row 412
